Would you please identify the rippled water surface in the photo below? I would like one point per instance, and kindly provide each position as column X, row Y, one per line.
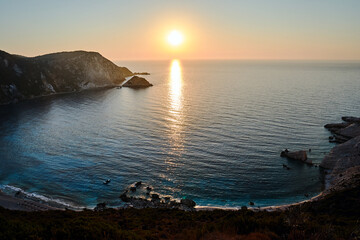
column 208, row 130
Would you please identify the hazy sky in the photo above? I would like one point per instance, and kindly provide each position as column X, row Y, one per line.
column 238, row 29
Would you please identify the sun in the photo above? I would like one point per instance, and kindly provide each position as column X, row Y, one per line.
column 175, row 38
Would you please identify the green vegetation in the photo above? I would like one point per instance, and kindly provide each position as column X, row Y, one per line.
column 335, row 217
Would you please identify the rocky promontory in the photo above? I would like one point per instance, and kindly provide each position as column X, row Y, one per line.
column 343, row 161
column 28, row 77
column 137, row 82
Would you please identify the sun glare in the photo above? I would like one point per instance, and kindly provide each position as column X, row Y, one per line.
column 175, row 38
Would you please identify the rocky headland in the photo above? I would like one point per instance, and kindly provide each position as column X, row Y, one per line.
column 343, row 161
column 29, row 77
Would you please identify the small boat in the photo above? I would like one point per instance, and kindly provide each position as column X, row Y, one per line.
column 107, row 181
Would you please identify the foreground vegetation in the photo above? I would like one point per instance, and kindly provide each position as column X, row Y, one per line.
column 335, row 217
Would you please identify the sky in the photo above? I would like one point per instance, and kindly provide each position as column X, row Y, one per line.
column 212, row 29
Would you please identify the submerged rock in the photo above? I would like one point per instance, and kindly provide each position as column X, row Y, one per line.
column 137, row 82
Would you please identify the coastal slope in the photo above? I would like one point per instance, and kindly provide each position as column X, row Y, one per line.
column 28, row 77
column 343, row 161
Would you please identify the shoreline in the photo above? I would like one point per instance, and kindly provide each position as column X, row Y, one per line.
column 338, row 177
column 11, row 202
column 18, row 204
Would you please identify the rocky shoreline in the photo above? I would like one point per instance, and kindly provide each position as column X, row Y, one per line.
column 343, row 161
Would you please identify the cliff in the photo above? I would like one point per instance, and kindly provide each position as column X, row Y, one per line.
column 29, row 77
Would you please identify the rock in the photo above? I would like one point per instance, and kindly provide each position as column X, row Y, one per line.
column 141, row 73
column 349, row 132
column 133, row 189
column 124, row 197
column 343, row 156
column 29, row 77
column 188, row 203
column 339, row 139
column 297, row 155
column 155, row 196
column 138, row 184
column 336, row 125
column 251, row 203
column 100, row 207
column 351, row 119
column 137, row 82
column 148, row 188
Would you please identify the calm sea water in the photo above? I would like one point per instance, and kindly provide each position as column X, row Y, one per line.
column 207, row 130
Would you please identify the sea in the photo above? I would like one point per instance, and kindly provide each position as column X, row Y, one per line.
column 208, row 130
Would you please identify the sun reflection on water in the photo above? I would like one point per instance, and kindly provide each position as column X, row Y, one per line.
column 175, row 86
column 175, row 119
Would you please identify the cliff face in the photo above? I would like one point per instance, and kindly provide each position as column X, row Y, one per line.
column 28, row 77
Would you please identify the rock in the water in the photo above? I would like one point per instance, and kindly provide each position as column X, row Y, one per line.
column 297, row 155
column 351, row 119
column 350, row 131
column 138, row 184
column 188, row 203
column 137, row 82
column 141, row 73
column 29, row 77
column 251, row 203
column 336, row 125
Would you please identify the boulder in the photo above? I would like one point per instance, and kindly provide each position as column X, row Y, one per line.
column 188, row 203
column 100, row 207
column 137, row 82
column 297, row 155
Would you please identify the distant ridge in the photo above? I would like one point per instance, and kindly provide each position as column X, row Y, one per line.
column 28, row 77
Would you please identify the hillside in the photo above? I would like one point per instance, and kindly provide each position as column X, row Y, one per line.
column 28, row 77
